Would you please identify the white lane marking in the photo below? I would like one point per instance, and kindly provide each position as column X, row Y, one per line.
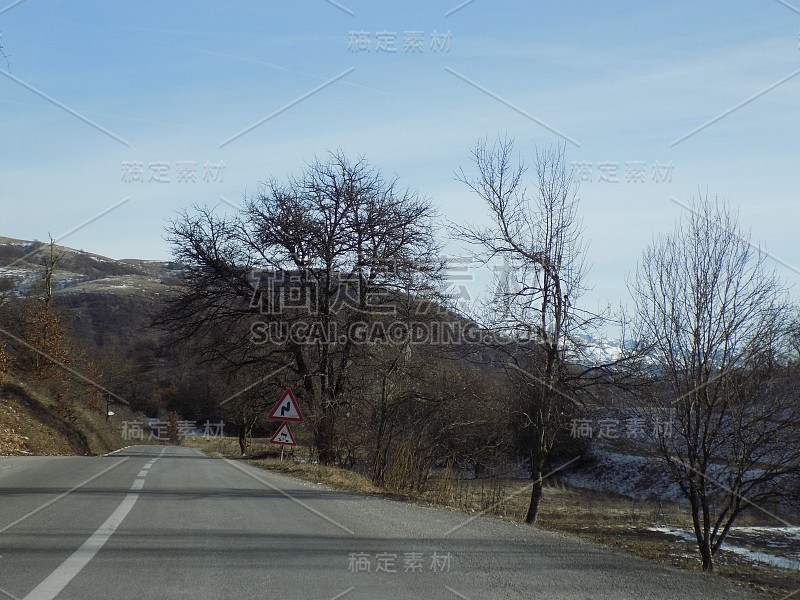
column 117, row 450
column 142, row 474
column 147, row 466
column 60, row 496
column 344, row 593
column 8, row 594
column 137, row 484
column 69, row 569
column 164, row 449
column 289, row 496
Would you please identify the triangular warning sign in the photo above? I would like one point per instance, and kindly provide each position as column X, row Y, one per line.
column 286, row 409
column 283, row 436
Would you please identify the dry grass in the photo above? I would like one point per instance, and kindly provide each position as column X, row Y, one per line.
column 333, row 476
column 29, row 424
column 611, row 520
column 296, row 462
column 212, row 446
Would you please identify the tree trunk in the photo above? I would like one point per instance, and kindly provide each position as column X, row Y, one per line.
column 707, row 557
column 379, row 461
column 246, row 424
column 536, row 497
column 323, row 438
column 701, row 532
column 379, row 466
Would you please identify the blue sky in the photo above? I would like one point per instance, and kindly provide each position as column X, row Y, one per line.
column 623, row 80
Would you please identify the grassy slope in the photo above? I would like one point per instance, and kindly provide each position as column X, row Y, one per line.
column 29, row 424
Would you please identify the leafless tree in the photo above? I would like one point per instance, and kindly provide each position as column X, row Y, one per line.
column 537, row 235
column 246, row 405
column 714, row 318
column 306, row 259
column 424, row 406
column 50, row 261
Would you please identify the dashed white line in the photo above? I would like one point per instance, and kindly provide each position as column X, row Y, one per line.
column 69, row 569
column 66, row 572
column 117, row 450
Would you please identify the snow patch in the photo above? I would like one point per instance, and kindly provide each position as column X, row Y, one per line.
column 780, row 562
column 624, row 474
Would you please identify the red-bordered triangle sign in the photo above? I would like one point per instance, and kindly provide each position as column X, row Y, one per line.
column 286, row 409
column 283, row 436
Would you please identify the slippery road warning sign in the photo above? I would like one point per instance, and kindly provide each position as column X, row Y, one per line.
column 283, row 436
column 286, row 409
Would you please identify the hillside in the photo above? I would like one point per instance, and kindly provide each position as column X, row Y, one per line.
column 108, row 306
column 30, row 424
column 21, row 263
column 104, row 298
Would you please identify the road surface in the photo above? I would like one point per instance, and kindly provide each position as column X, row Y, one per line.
column 168, row 522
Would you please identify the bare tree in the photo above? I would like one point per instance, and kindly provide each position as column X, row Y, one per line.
column 246, row 405
column 50, row 260
column 302, row 263
column 423, row 406
column 538, row 236
column 714, row 318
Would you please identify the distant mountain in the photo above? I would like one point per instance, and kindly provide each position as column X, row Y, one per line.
column 598, row 351
column 21, row 266
column 106, row 301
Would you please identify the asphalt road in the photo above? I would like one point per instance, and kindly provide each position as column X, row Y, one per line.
column 168, row 522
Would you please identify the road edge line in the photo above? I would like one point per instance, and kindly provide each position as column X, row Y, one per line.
column 288, row 495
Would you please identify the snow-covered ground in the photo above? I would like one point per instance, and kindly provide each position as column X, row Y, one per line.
column 791, row 531
column 611, row 469
column 625, row 474
column 5, row 241
column 22, row 279
column 597, row 350
column 754, row 536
